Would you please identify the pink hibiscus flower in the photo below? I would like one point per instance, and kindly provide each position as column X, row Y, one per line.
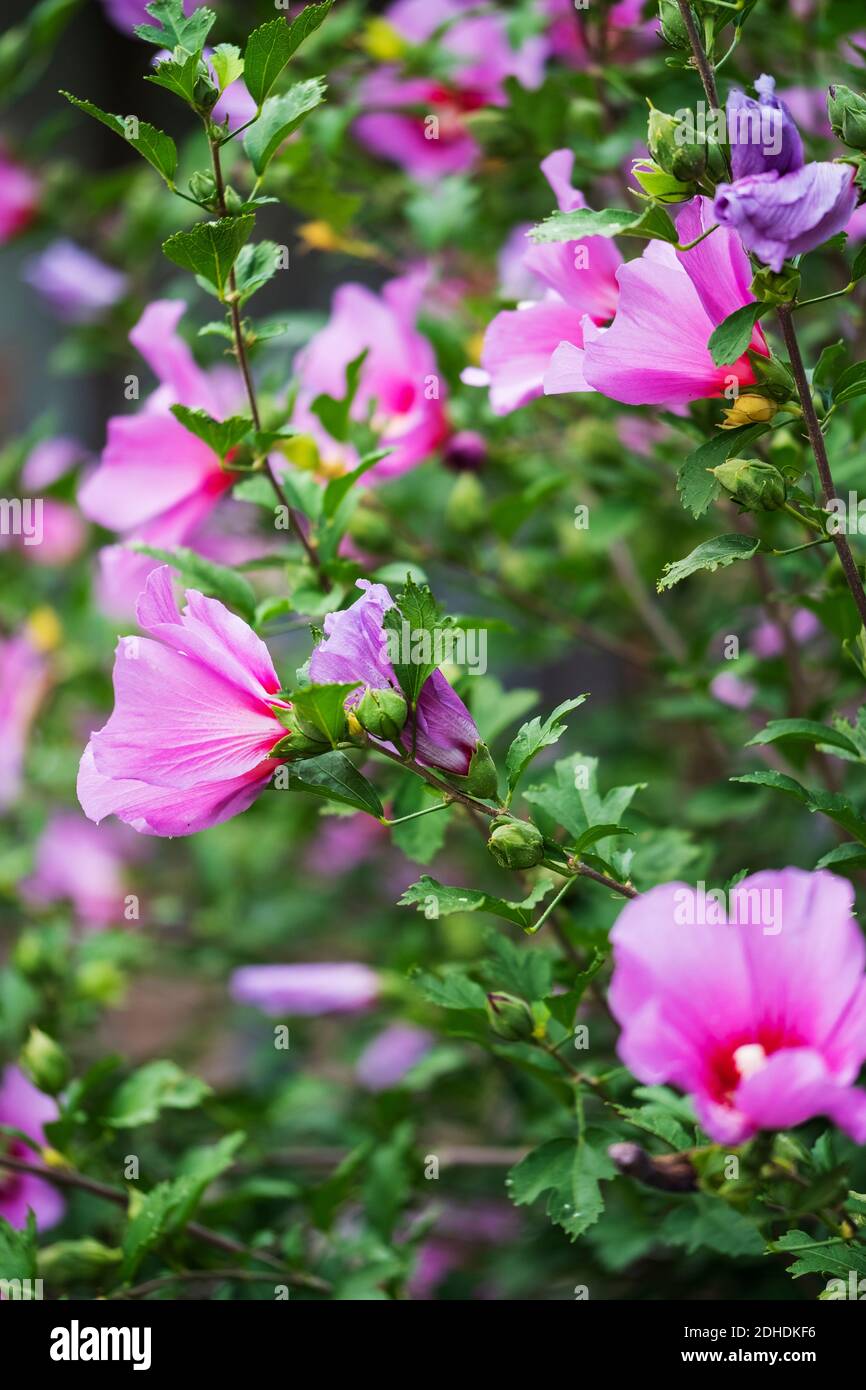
column 23, row 1107
column 188, row 744
column 760, row 1017
column 399, row 375
column 419, row 122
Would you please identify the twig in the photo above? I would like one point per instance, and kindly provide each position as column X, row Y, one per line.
column 702, row 62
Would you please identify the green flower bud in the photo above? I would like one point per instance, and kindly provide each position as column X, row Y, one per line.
column 773, row 376
column 669, row 146
column 659, row 185
column 203, row 186
column 35, row 955
column 673, row 30
column 382, row 713
column 466, row 510
column 44, row 1062
column 510, row 1018
column 101, row 982
column 515, row 844
column 205, row 93
column 753, row 483
column 233, row 200
column 68, row 1261
column 847, row 112
column 773, row 287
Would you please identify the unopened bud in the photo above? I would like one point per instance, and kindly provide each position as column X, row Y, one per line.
column 776, row 287
column 45, row 1062
column 773, row 376
column 671, row 149
column 753, row 483
column 750, row 409
column 510, row 1018
column 673, row 30
column 847, row 111
column 202, row 186
column 382, row 713
column 68, row 1261
column 515, row 844
column 465, row 452
column 659, row 185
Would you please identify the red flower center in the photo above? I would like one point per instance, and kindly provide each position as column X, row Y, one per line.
column 743, row 1055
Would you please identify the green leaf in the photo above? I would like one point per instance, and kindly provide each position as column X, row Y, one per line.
column 271, row 46
column 323, row 706
column 850, row 384
column 280, row 116
column 829, row 364
column 153, row 145
column 570, row 1170
column 146, row 1227
column 832, row 1258
column 730, row 339
column 436, row 900
column 703, row 1222
column 217, row 581
column 257, row 263
column 803, row 731
column 518, row 968
column 709, row 555
column 838, row 808
column 227, row 63
column 338, row 488
column 657, row 1120
column 154, row 1087
column 18, row 1249
column 453, row 990
column 177, row 30
column 847, row 856
column 335, row 778
column 695, row 484
column 651, row 223
column 335, row 414
column 532, row 737
column 220, row 435
column 210, row 249
column 573, row 800
column 421, row 838
column 177, row 74
column 417, row 627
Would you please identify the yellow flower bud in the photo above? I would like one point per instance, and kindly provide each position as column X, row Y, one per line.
column 382, row 41
column 44, row 629
column 750, row 410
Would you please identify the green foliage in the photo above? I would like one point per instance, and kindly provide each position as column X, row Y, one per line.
column 270, row 47
column 712, row 555
column 153, row 145
column 210, row 249
column 280, row 116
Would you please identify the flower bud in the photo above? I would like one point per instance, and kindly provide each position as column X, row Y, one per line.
column 35, row 954
column 466, row 510
column 659, row 185
column 101, row 981
column 773, row 376
column 68, row 1261
column 776, row 287
column 233, row 201
column 202, row 186
column 205, row 94
column 750, row 409
column 465, row 452
column 382, row 713
column 510, row 1018
column 44, row 1062
column 753, row 483
column 515, row 844
column 672, row 151
column 847, row 111
column 673, row 30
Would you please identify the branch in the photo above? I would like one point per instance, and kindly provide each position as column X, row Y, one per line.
column 702, row 62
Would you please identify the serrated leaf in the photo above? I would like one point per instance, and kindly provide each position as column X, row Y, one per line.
column 217, row 581
column 709, row 555
column 421, row 838
column 733, row 335
column 280, row 116
column 178, row 29
column 256, row 264
column 518, row 968
column 18, row 1249
column 177, row 74
column 335, row 778
column 220, row 435
column 532, row 737
column 271, row 46
column 436, row 900
column 570, row 1170
column 573, row 800
column 154, row 1087
column 454, row 990
column 153, row 145
column 696, row 485
column 657, row 1120
column 417, row 625
column 838, row 808
column 702, row 1222
column 210, row 249
column 227, row 63
column 833, row 1258
column 651, row 223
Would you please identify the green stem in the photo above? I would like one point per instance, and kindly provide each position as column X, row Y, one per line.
column 702, row 63
column 427, row 811
column 821, row 298
column 531, row 931
column 698, row 239
column 805, row 520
